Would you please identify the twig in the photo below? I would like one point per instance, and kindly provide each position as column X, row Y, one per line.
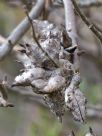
column 3, row 94
column 3, row 88
column 86, row 21
column 36, row 40
column 97, row 27
column 81, row 3
column 73, row 134
column 27, row 3
column 90, row 133
column 20, row 30
column 89, row 3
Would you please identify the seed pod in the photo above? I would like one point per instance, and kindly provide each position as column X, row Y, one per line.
column 75, row 100
column 55, row 102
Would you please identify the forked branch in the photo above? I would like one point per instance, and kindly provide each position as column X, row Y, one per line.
column 20, row 30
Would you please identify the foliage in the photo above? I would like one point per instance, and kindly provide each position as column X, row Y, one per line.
column 45, row 126
column 92, row 92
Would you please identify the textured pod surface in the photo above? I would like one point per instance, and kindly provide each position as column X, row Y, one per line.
column 75, row 100
column 55, row 102
column 55, row 83
column 48, row 70
column 76, row 104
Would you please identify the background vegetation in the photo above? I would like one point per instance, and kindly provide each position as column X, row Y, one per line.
column 31, row 118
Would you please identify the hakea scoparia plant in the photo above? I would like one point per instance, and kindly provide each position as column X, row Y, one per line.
column 50, row 72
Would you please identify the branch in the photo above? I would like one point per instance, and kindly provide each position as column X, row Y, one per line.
column 88, row 3
column 73, row 95
column 70, row 21
column 82, row 3
column 90, row 25
column 71, row 29
column 20, row 30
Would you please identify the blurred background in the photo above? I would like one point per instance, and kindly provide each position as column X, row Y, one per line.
column 30, row 116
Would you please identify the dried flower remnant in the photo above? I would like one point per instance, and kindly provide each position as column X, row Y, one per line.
column 39, row 70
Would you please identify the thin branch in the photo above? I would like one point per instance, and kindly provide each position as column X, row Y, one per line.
column 98, row 28
column 81, row 3
column 91, row 132
column 89, row 3
column 20, row 30
column 73, row 134
column 3, row 88
column 36, row 40
column 3, row 94
column 86, row 21
column 71, row 29
column 70, row 21
column 28, row 4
